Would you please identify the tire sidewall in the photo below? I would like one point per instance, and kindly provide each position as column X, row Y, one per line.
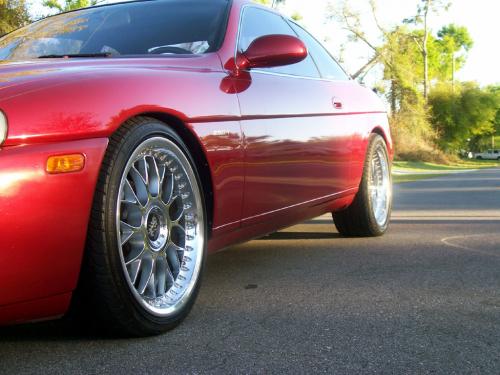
column 374, row 142
column 149, row 128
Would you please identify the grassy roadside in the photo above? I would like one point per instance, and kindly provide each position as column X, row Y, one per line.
column 399, row 178
column 407, row 171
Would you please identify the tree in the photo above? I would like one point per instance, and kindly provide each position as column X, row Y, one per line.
column 495, row 90
column 411, row 57
column 271, row 3
column 453, row 43
column 424, row 8
column 351, row 22
column 68, row 5
column 466, row 113
column 13, row 15
column 19, row 46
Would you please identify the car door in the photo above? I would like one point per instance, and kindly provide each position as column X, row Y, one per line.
column 297, row 148
column 354, row 103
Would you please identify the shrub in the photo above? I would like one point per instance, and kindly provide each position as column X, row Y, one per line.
column 413, row 135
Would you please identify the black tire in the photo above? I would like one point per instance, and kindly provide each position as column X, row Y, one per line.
column 359, row 220
column 103, row 292
column 479, row 157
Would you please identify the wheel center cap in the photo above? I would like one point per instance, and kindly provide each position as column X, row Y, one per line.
column 156, row 228
column 153, row 227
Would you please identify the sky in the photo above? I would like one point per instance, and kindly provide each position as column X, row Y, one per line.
column 481, row 17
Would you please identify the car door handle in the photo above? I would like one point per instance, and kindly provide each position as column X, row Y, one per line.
column 337, row 103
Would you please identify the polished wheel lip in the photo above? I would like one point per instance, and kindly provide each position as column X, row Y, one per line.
column 380, row 186
column 170, row 291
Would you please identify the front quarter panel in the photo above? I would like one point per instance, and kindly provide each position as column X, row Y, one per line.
column 93, row 101
column 43, row 219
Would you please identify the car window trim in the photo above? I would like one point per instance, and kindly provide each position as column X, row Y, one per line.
column 349, row 78
column 222, row 32
column 240, row 22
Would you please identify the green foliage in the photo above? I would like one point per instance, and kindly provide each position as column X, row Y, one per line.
column 451, row 46
column 13, row 15
column 68, row 5
column 414, row 137
column 495, row 90
column 416, row 133
column 296, row 16
column 465, row 115
column 403, row 67
column 271, row 3
column 413, row 60
column 405, row 60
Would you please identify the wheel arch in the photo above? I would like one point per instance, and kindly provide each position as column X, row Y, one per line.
column 378, row 130
column 198, row 154
column 386, row 137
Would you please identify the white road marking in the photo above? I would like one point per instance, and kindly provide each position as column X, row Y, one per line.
column 447, row 242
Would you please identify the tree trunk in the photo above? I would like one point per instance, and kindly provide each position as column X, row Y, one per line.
column 393, row 97
column 425, row 53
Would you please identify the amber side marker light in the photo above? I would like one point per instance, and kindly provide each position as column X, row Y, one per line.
column 65, row 163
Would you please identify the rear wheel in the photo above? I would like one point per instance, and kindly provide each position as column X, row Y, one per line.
column 147, row 236
column 370, row 212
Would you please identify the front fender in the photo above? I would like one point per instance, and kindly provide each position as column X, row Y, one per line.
column 95, row 102
column 43, row 219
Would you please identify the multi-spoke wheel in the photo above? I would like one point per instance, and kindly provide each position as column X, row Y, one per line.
column 370, row 212
column 379, row 186
column 147, row 247
column 157, row 226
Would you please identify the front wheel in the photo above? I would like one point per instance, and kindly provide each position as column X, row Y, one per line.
column 369, row 214
column 147, row 237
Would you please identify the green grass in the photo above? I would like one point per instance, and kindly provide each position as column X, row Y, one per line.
column 412, row 177
column 412, row 166
column 416, row 171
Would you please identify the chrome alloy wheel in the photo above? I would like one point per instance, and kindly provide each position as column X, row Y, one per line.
column 380, row 186
column 160, row 225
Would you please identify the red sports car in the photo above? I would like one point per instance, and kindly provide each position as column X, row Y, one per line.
column 136, row 138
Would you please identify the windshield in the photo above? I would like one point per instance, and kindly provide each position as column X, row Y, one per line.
column 159, row 27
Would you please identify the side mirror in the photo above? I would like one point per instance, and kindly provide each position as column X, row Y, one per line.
column 272, row 50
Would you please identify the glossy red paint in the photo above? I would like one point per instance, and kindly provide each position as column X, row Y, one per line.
column 272, row 50
column 43, row 219
column 278, row 148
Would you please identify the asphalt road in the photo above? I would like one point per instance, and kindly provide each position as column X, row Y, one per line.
column 425, row 298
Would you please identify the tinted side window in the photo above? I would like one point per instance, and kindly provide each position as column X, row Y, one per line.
column 327, row 65
column 259, row 22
